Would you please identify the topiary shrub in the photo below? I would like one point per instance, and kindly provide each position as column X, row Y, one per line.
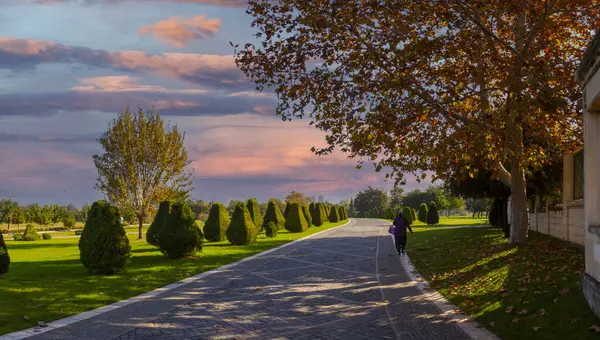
column 333, row 215
column 274, row 215
column 160, row 220
column 69, row 222
column 103, row 246
column 47, row 236
column 17, row 237
column 254, row 210
column 327, row 212
column 432, row 214
column 79, row 232
column 414, row 214
column 242, row 230
column 271, row 229
column 287, row 210
column 215, row 227
column 406, row 211
column 296, row 223
column 4, row 257
column 422, row 214
column 30, row 233
column 180, row 236
column 307, row 215
column 311, row 208
column 319, row 216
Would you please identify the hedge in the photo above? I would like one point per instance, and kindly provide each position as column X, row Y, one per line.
column 295, row 223
column 242, row 230
column 103, row 246
column 307, row 215
column 333, row 215
column 319, row 216
column 160, row 220
column 254, row 210
column 215, row 227
column 407, row 212
column 274, row 215
column 180, row 236
column 271, row 229
column 422, row 214
column 432, row 214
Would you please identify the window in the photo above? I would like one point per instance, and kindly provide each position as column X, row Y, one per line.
column 578, row 176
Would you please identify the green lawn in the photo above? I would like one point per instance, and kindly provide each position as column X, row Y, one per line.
column 455, row 221
column 46, row 281
column 528, row 292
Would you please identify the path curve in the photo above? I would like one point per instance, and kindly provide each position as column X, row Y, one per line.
column 345, row 283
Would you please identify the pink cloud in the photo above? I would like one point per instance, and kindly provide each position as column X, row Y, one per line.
column 125, row 84
column 221, row 3
column 178, row 31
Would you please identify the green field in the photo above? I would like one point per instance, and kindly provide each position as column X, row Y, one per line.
column 454, row 221
column 46, row 281
column 529, row 292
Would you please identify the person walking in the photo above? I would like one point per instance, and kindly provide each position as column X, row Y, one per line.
column 400, row 225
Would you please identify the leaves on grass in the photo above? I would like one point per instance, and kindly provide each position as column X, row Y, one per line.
column 522, row 312
column 564, row 291
column 542, row 311
column 535, row 329
column 516, row 320
column 510, row 309
column 492, row 324
column 25, row 317
column 595, row 328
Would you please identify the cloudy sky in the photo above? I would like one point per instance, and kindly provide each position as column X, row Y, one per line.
column 67, row 67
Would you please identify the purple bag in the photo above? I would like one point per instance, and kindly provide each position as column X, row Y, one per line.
column 391, row 229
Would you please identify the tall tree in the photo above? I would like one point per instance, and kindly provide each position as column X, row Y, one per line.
column 8, row 208
column 297, row 197
column 143, row 163
column 396, row 197
column 370, row 201
column 473, row 74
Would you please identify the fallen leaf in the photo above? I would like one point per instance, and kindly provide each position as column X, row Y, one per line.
column 492, row 324
column 595, row 328
column 564, row 291
column 542, row 311
column 25, row 317
column 516, row 320
column 555, row 300
column 574, row 320
column 536, row 328
column 509, row 309
column 522, row 312
column 522, row 289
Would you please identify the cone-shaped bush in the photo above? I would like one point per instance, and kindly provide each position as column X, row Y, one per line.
column 407, row 212
column 432, row 214
column 254, row 210
column 319, row 216
column 30, row 233
column 180, row 236
column 333, row 215
column 271, row 229
column 422, row 214
column 4, row 258
column 287, row 210
column 414, row 214
column 104, row 247
column 215, row 228
column 242, row 230
column 327, row 212
column 274, row 215
column 296, row 223
column 343, row 214
column 311, row 208
column 307, row 215
column 160, row 220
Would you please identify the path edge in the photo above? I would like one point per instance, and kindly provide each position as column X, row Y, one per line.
column 23, row 334
column 448, row 309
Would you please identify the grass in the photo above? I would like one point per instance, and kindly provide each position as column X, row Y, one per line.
column 526, row 292
column 453, row 221
column 46, row 281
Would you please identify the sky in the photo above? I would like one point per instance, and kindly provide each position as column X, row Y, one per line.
column 68, row 67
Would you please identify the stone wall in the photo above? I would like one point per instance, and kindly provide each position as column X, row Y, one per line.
column 564, row 224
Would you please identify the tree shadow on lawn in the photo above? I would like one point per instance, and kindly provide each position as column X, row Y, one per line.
column 517, row 289
column 35, row 245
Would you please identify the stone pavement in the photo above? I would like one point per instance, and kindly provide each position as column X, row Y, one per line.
column 345, row 283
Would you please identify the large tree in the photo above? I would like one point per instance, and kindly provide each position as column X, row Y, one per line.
column 144, row 162
column 297, row 197
column 419, row 85
column 8, row 209
column 370, row 201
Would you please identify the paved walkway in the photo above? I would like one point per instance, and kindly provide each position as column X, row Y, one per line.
column 325, row 287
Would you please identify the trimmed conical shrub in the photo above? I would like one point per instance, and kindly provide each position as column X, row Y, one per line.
column 319, row 217
column 343, row 213
column 327, row 212
column 180, row 236
column 274, row 215
column 215, row 227
column 296, row 223
column 242, row 230
column 104, row 247
column 333, row 215
column 307, row 215
column 432, row 214
column 4, row 258
column 407, row 212
column 287, row 210
column 311, row 208
column 414, row 214
column 30, row 233
column 160, row 220
column 254, row 210
column 422, row 214
column 271, row 229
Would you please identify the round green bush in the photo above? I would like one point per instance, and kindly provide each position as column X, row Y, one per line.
column 307, row 215
column 215, row 227
column 333, row 215
column 319, row 216
column 17, row 237
column 406, row 211
column 160, row 220
column 295, row 223
column 274, row 215
column 242, row 230
column 30, row 233
column 180, row 236
column 271, row 229
column 103, row 246
column 432, row 214
column 422, row 214
column 47, row 236
column 4, row 257
column 254, row 210
column 69, row 222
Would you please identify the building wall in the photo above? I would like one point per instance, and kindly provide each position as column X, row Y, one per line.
column 568, row 226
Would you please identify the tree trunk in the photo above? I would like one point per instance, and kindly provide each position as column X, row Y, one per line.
column 141, row 225
column 519, row 224
column 8, row 225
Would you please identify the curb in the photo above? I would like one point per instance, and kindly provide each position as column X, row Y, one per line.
column 108, row 308
column 471, row 327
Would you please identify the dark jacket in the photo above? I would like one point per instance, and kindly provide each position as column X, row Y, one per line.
column 400, row 225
